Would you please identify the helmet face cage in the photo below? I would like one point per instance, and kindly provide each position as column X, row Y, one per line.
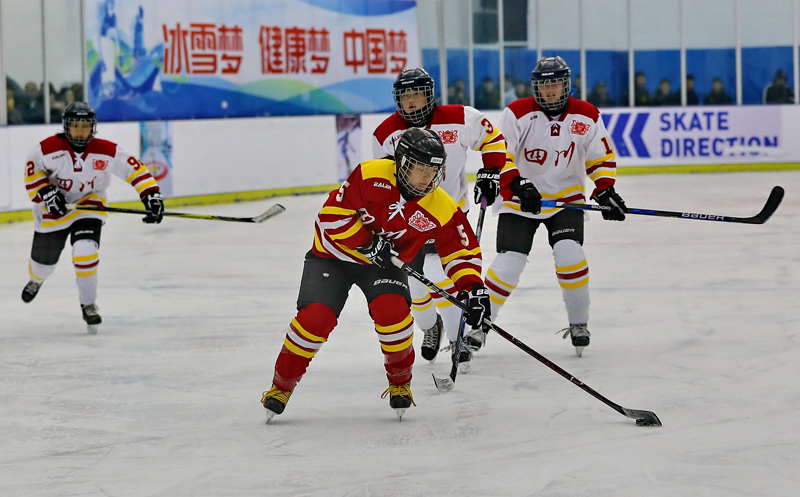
column 405, row 166
column 551, row 71
column 79, row 142
column 422, row 84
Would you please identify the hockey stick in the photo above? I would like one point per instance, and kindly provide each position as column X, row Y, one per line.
column 643, row 418
column 271, row 212
column 446, row 384
column 774, row 200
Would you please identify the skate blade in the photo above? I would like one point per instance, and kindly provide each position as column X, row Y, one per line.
column 464, row 367
column 579, row 351
column 443, row 384
column 270, row 415
column 400, row 413
column 92, row 328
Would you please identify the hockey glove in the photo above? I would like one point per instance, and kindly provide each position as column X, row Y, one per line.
column 528, row 195
column 611, row 198
column 379, row 251
column 479, row 305
column 154, row 203
column 487, row 184
column 54, row 200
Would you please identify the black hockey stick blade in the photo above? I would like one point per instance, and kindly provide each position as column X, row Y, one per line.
column 643, row 418
column 774, row 200
column 271, row 212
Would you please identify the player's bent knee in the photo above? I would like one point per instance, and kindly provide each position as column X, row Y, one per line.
column 568, row 252
column 83, row 248
column 318, row 319
column 388, row 309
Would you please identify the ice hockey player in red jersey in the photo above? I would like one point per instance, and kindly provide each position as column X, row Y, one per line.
column 74, row 167
column 554, row 141
column 461, row 128
column 385, row 207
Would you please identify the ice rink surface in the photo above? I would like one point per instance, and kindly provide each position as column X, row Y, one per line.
column 697, row 321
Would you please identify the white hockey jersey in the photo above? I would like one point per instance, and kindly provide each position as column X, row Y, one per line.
column 83, row 179
column 555, row 154
column 461, row 128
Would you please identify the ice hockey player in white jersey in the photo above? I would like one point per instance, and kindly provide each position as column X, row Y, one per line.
column 461, row 128
column 74, row 167
column 554, row 141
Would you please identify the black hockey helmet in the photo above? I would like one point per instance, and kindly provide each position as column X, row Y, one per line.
column 419, row 147
column 414, row 80
column 79, row 112
column 551, row 70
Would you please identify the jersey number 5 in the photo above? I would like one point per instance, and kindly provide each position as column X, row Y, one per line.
column 464, row 239
column 340, row 195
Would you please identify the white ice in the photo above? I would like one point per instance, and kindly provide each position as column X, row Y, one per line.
column 697, row 321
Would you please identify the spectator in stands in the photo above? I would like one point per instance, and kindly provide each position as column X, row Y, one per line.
column 32, row 104
column 664, row 96
column 717, row 95
column 691, row 96
column 599, row 96
column 641, row 97
column 778, row 92
column 523, row 89
column 577, row 88
column 509, row 95
column 456, row 93
column 487, row 95
column 14, row 115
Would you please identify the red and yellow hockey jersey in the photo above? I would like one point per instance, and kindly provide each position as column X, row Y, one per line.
column 369, row 201
column 83, row 178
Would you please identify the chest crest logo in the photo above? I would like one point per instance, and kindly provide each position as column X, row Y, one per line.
column 579, row 128
column 448, row 136
column 99, row 164
column 555, row 129
column 536, row 155
column 421, row 223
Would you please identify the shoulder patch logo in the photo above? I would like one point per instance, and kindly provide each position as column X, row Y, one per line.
column 448, row 136
column 579, row 128
column 421, row 223
column 99, row 164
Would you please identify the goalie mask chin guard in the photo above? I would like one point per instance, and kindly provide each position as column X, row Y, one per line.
column 423, row 147
column 79, row 112
column 414, row 80
column 551, row 70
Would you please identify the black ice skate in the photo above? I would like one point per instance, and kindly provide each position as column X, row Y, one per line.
column 400, row 398
column 274, row 401
column 30, row 290
column 92, row 317
column 475, row 339
column 433, row 337
column 579, row 334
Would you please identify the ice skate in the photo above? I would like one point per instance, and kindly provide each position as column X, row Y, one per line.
column 464, row 356
column 30, row 290
column 475, row 339
column 400, row 398
column 274, row 401
column 92, row 318
column 579, row 334
column 433, row 337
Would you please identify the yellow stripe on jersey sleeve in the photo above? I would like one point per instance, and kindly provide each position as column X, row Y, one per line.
column 336, row 211
column 347, row 234
column 590, row 163
column 35, row 176
column 461, row 253
column 465, row 272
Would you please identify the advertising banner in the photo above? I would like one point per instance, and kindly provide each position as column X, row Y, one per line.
column 697, row 135
column 156, row 153
column 150, row 59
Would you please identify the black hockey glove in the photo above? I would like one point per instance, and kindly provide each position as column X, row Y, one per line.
column 611, row 198
column 479, row 305
column 528, row 195
column 154, row 203
column 487, row 184
column 54, row 200
column 379, row 251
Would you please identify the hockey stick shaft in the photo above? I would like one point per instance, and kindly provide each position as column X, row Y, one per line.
column 774, row 200
column 271, row 212
column 460, row 336
column 649, row 418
